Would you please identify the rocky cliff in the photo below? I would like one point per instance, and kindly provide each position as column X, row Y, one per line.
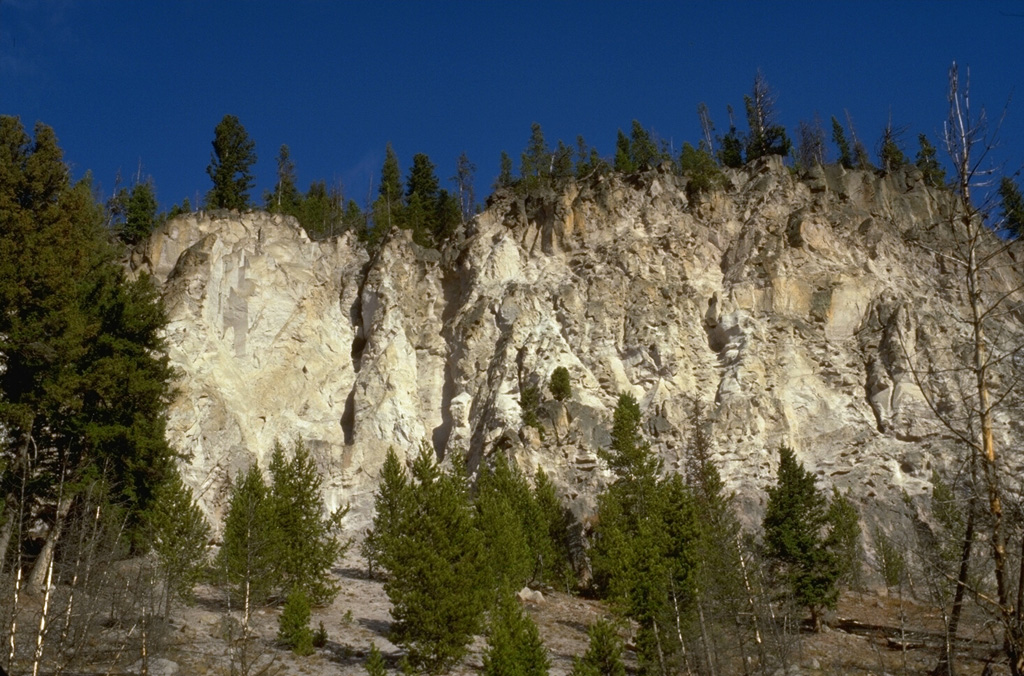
column 797, row 309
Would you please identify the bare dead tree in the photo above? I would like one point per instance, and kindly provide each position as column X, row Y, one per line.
column 984, row 378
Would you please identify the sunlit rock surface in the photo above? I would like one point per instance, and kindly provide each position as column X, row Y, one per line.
column 796, row 310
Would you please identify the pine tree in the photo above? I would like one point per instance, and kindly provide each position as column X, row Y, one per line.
column 765, row 137
column 435, row 574
column 560, row 385
column 133, row 212
column 1012, row 205
column 505, row 178
column 604, row 653
column 320, row 212
column 844, row 537
column 392, row 505
column 560, row 527
column 535, row 158
column 700, row 168
column 422, row 191
column 891, row 154
column 307, row 534
column 644, row 541
column 248, row 557
column 285, row 199
column 934, row 174
column 795, row 532
column 562, row 162
column 529, row 403
column 509, row 521
column 447, row 219
column 180, row 536
column 230, row 166
column 643, row 151
column 514, row 647
column 730, row 146
column 293, row 630
column 719, row 588
column 388, row 209
column 85, row 381
column 839, row 138
column 623, row 155
column 375, row 665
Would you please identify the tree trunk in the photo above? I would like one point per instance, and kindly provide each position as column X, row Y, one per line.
column 37, row 578
column 6, row 531
column 947, row 665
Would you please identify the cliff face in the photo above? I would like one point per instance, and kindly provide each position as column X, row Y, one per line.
column 795, row 310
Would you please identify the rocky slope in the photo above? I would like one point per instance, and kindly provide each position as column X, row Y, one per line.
column 796, row 309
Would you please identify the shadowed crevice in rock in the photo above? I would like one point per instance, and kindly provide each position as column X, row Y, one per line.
column 451, row 288
column 348, row 418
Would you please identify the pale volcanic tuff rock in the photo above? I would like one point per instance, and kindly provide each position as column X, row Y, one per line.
column 775, row 302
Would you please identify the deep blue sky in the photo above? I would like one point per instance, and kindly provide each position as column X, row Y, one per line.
column 146, row 81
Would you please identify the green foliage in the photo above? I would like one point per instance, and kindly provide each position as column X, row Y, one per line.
column 285, row 199
column 514, row 647
column 230, row 166
column 434, row 562
column 844, row 537
column 926, row 161
column 1012, row 205
column 421, row 199
column 623, row 155
column 529, row 404
column 704, row 175
column 510, row 523
column 85, row 383
column 588, row 161
column 558, row 523
column 180, row 535
column 535, row 159
column 636, row 152
column 560, row 385
column 392, row 507
column 842, row 145
column 320, row 635
column 730, row 146
column 375, row 665
column 721, row 590
column 178, row 209
column 891, row 562
column 645, row 539
column 644, row 151
column 795, row 525
column 293, row 630
column 561, row 165
column 247, row 560
column 891, row 154
column 765, row 136
column 320, row 213
column 862, row 160
column 604, row 653
column 951, row 516
column 505, row 178
column 133, row 212
column 388, row 209
column 306, row 534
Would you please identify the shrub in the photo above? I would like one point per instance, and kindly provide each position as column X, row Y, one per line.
column 293, row 627
column 560, row 387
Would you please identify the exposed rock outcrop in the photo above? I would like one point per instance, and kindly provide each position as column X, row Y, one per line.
column 797, row 310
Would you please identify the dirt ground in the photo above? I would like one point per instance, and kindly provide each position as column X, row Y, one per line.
column 864, row 636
